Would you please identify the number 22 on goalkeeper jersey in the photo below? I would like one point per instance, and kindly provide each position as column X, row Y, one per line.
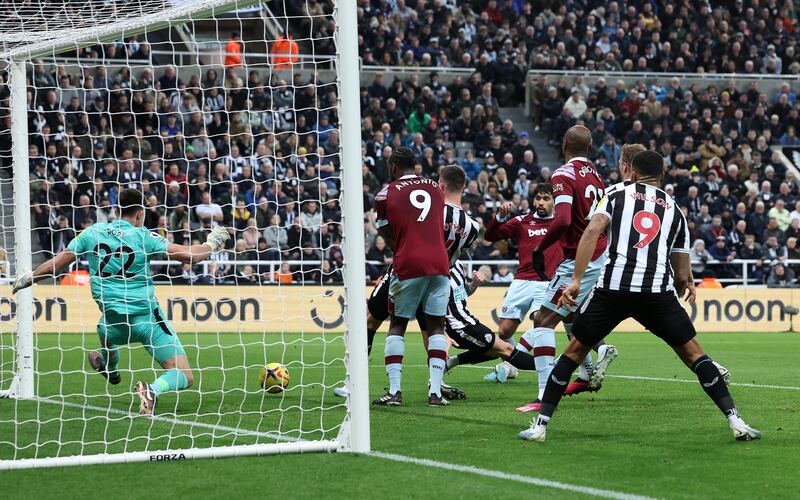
column 119, row 257
column 413, row 207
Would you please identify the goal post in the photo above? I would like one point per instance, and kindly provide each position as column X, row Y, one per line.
column 55, row 411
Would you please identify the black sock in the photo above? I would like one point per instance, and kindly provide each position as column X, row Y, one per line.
column 557, row 384
column 472, row 358
column 522, row 360
column 714, row 385
column 596, row 347
column 370, row 337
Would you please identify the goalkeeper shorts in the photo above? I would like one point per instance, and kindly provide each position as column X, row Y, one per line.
column 150, row 330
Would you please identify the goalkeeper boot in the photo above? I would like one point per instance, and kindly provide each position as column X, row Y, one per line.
column 342, row 392
column 98, row 365
column 435, row 400
column 389, row 399
column 450, row 392
column 605, row 355
column 147, row 398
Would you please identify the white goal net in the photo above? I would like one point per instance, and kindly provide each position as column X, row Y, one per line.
column 223, row 113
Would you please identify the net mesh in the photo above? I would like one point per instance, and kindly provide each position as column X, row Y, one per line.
column 217, row 128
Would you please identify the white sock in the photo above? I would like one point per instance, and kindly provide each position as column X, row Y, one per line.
column 734, row 419
column 544, row 352
column 585, row 368
column 394, row 351
column 437, row 354
column 526, row 342
column 511, row 340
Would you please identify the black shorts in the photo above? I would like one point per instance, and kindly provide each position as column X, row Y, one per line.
column 476, row 337
column 661, row 313
column 378, row 302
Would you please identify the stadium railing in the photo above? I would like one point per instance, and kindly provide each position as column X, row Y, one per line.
column 744, row 279
column 766, row 83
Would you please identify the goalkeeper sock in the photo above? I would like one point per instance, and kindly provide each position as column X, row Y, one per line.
column 437, row 356
column 714, row 385
column 556, row 385
column 394, row 351
column 370, row 337
column 110, row 358
column 544, row 351
column 172, row 380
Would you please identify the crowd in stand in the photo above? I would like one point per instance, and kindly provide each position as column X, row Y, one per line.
column 259, row 154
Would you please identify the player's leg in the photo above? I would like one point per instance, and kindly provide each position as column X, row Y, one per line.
column 163, row 344
column 541, row 342
column 404, row 298
column 600, row 314
column 665, row 317
column 105, row 361
column 434, row 303
column 516, row 305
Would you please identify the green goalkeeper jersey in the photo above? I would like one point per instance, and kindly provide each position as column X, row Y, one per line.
column 119, row 257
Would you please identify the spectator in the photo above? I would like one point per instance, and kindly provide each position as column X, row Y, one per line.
column 699, row 257
column 781, row 276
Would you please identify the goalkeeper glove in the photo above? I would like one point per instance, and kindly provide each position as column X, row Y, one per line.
column 24, row 280
column 217, row 238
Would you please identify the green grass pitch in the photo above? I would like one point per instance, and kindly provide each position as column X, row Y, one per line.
column 658, row 438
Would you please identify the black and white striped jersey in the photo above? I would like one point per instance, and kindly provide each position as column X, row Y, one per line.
column 458, row 316
column 460, row 231
column 616, row 187
column 646, row 226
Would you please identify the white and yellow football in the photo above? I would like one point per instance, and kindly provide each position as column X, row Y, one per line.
column 274, row 378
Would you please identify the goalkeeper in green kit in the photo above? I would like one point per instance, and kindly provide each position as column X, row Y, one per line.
column 119, row 255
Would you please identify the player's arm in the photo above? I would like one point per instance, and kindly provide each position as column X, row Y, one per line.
column 682, row 272
column 586, row 247
column 192, row 254
column 500, row 227
column 681, row 261
column 386, row 232
column 46, row 269
column 473, row 284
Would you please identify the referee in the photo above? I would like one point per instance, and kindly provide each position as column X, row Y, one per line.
column 648, row 269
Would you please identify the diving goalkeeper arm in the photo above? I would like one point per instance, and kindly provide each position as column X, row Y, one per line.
column 192, row 254
column 48, row 268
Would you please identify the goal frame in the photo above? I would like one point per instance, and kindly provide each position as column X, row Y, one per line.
column 354, row 433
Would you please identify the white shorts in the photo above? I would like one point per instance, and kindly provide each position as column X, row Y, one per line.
column 563, row 278
column 523, row 297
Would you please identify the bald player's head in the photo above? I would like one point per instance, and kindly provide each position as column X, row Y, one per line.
column 577, row 142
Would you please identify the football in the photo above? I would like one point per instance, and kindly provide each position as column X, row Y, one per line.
column 274, row 378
